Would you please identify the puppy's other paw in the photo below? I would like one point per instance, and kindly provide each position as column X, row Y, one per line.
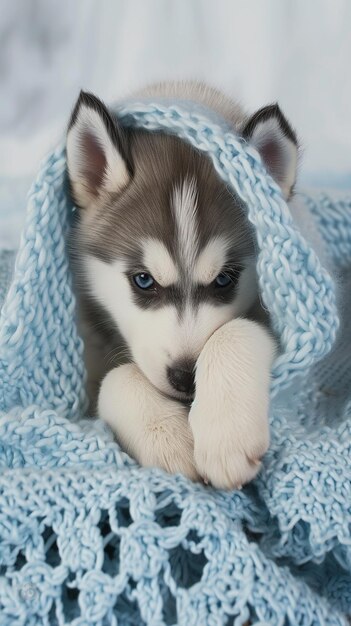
column 229, row 417
column 169, row 443
column 150, row 427
column 227, row 460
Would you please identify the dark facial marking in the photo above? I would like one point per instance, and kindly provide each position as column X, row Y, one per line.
column 144, row 208
column 216, row 295
column 177, row 295
column 156, row 296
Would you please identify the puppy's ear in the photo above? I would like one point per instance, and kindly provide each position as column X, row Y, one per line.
column 97, row 152
column 271, row 134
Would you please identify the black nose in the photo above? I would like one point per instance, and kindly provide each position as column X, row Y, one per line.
column 182, row 377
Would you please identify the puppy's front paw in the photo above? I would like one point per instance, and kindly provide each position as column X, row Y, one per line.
column 168, row 442
column 229, row 417
column 227, row 454
column 150, row 427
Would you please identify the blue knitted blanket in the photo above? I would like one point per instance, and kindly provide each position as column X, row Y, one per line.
column 87, row 537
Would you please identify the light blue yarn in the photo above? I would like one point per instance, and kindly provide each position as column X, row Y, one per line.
column 138, row 545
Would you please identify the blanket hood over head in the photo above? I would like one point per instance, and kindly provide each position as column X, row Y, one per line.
column 88, row 537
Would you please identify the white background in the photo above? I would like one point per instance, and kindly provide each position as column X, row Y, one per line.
column 296, row 52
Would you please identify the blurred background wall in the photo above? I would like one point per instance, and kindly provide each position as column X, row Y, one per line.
column 297, row 52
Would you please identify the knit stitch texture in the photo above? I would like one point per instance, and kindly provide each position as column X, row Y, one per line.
column 87, row 537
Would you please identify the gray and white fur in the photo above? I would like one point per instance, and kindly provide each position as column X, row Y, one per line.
column 165, row 258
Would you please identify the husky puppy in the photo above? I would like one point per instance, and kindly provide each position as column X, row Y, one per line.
column 166, row 273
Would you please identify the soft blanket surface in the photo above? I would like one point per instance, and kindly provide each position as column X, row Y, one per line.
column 87, row 536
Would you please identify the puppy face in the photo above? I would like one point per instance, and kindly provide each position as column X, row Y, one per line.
column 166, row 247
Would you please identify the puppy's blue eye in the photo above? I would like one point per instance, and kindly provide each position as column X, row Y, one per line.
column 222, row 280
column 143, row 280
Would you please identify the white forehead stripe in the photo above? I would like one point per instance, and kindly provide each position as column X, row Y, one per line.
column 184, row 203
column 159, row 262
column 211, row 260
